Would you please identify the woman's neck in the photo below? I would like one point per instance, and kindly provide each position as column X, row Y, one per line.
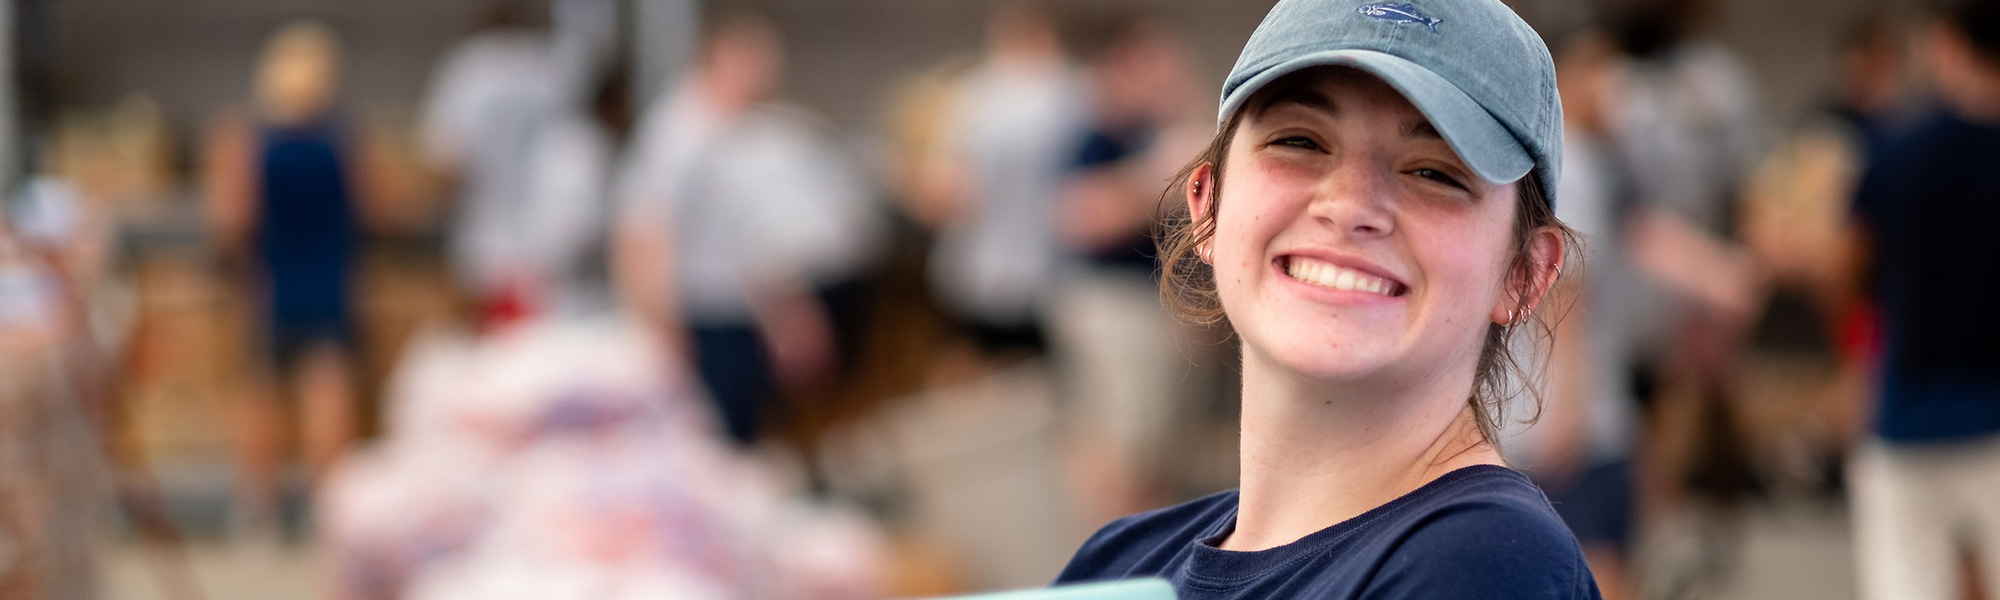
column 1313, row 455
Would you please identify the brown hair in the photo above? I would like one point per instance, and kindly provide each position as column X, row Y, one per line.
column 1187, row 285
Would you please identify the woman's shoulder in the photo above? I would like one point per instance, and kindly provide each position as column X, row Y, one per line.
column 1489, row 529
column 1142, row 543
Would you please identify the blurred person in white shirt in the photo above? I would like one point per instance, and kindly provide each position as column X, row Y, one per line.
column 739, row 221
column 488, row 100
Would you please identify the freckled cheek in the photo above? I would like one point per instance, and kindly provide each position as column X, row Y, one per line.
column 1241, row 250
column 1433, row 245
column 1467, row 275
column 1239, row 246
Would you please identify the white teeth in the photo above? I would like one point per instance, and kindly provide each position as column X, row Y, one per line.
column 1325, row 274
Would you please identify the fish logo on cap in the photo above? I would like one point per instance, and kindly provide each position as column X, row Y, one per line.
column 1400, row 13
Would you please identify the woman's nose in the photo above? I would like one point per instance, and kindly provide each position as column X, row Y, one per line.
column 1356, row 197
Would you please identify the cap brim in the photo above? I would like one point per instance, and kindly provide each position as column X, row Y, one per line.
column 1479, row 139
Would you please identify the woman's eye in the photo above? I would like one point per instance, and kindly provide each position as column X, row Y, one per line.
column 1439, row 176
column 1300, row 142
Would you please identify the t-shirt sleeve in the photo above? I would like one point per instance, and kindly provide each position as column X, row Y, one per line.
column 1485, row 551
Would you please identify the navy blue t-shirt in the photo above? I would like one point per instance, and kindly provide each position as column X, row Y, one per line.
column 1931, row 203
column 1478, row 532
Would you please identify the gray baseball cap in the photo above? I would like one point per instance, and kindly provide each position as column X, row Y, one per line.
column 1481, row 76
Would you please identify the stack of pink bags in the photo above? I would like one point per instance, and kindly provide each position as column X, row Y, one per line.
column 576, row 460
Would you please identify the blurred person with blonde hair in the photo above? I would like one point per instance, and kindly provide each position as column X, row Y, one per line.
column 286, row 196
column 1924, row 482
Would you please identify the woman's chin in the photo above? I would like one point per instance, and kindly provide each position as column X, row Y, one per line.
column 1320, row 363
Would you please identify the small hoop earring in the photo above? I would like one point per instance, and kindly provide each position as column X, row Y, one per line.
column 1207, row 255
column 1511, row 320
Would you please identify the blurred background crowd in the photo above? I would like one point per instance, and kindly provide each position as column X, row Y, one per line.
column 857, row 299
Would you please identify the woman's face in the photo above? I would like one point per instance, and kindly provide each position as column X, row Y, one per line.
column 1352, row 245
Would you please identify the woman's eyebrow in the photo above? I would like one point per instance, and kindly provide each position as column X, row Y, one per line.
column 1303, row 97
column 1421, row 129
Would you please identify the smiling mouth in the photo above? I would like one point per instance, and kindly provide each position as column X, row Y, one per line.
column 1327, row 275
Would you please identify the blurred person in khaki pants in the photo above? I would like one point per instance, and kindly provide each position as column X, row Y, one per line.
column 1126, row 362
column 286, row 201
column 1926, row 480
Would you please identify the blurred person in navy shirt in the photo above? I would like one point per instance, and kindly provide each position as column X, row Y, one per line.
column 1924, row 485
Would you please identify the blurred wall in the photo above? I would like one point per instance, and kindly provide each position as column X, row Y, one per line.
column 196, row 55
column 846, row 54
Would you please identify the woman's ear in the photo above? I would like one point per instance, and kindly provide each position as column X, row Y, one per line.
column 1546, row 253
column 1200, row 188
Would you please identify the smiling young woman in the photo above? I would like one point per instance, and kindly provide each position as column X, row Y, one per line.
column 1384, row 227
